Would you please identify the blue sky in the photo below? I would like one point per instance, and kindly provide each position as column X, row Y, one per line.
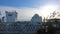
column 27, row 3
column 21, row 3
column 27, row 8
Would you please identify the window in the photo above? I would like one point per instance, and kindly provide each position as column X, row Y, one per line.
column 9, row 14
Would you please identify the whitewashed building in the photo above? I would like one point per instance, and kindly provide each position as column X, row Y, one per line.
column 22, row 27
column 11, row 16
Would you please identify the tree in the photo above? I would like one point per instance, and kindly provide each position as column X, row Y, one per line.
column 52, row 15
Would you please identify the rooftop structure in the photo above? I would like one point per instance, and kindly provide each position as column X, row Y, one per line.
column 11, row 16
column 36, row 18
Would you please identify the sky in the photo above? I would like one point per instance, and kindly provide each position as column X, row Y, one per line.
column 27, row 8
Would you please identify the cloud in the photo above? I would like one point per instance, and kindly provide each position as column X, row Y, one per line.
column 24, row 13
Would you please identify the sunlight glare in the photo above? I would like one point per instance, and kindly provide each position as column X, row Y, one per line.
column 47, row 9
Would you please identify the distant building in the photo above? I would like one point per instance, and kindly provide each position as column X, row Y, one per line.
column 11, row 16
column 53, row 20
column 36, row 18
column 22, row 27
column 3, row 19
column 0, row 19
column 54, row 23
